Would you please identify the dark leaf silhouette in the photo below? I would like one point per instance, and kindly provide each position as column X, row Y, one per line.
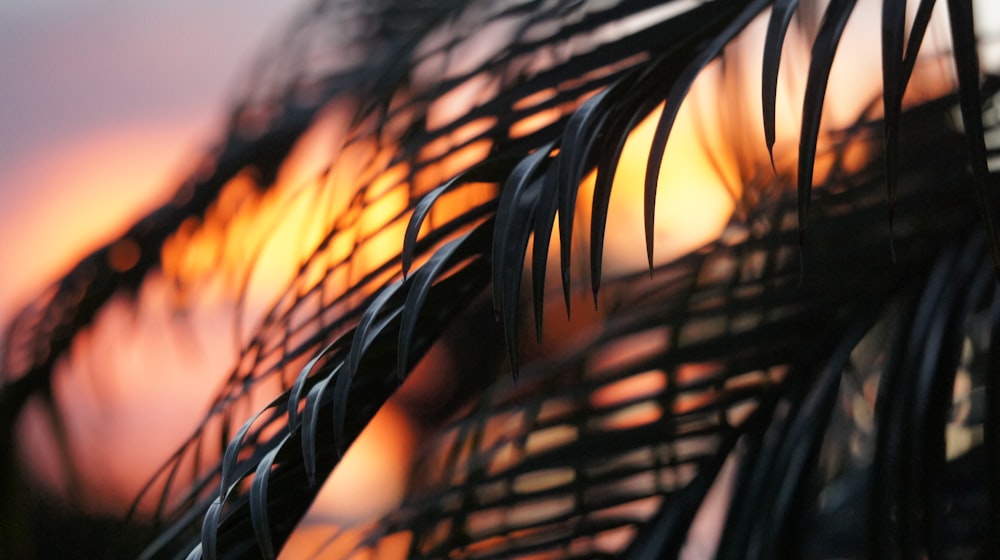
column 740, row 355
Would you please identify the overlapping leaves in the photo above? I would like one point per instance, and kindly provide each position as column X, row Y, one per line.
column 602, row 89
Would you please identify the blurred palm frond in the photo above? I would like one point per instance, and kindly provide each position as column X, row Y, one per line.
column 749, row 343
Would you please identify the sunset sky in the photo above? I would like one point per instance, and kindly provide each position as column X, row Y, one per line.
column 104, row 104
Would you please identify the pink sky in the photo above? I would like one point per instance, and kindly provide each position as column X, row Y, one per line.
column 103, row 105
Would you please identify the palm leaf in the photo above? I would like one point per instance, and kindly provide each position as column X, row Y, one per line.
column 732, row 309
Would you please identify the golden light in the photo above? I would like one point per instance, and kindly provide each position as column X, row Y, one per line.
column 369, row 482
column 152, row 367
column 693, row 201
column 77, row 195
column 252, row 243
column 165, row 355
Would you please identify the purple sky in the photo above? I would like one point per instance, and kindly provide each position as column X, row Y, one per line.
column 71, row 67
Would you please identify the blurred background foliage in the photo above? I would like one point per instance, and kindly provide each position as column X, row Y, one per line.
column 563, row 279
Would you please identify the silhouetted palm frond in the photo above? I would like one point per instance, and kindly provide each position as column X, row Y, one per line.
column 734, row 359
column 747, row 345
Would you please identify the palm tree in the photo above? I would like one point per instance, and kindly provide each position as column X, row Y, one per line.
column 745, row 351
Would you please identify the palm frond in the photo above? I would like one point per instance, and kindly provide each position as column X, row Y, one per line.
column 750, row 352
column 740, row 363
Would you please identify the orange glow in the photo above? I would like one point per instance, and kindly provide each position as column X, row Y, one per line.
column 688, row 374
column 138, row 365
column 137, row 382
column 320, row 543
column 629, row 388
column 369, row 482
column 465, row 133
column 687, row 402
column 694, row 200
column 371, row 478
column 260, row 239
column 550, row 438
column 535, row 99
column 345, row 221
column 133, row 388
column 123, row 255
column 78, row 195
column 632, row 416
column 537, row 481
column 535, row 122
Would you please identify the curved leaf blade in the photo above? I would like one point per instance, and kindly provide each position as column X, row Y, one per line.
column 258, row 502
column 893, row 86
column 675, row 98
column 823, row 51
column 777, row 28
